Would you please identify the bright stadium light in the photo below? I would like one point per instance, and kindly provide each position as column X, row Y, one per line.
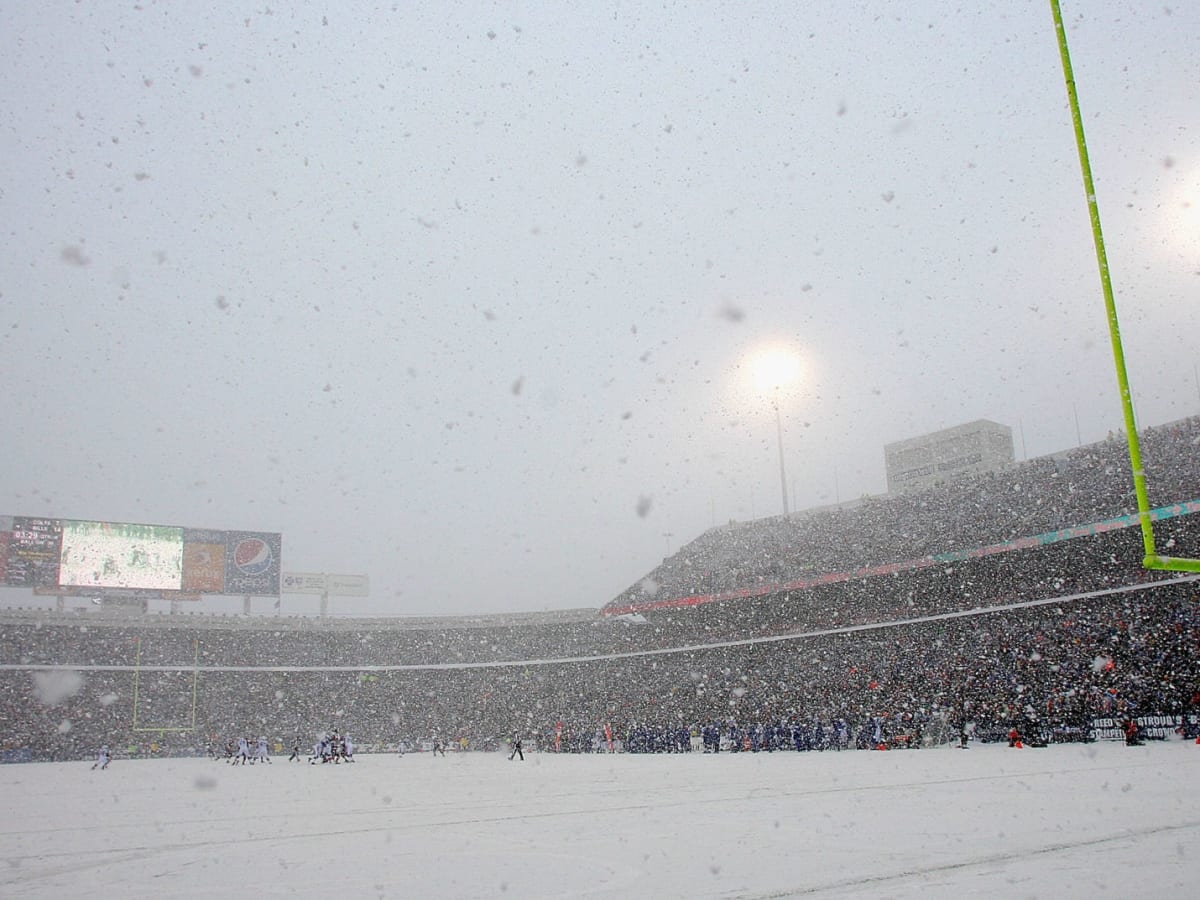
column 774, row 369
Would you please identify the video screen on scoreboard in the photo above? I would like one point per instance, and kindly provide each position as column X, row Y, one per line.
column 118, row 555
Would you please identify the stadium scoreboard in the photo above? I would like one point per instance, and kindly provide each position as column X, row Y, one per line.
column 69, row 556
column 969, row 449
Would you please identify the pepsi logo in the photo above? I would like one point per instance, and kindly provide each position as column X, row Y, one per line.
column 252, row 556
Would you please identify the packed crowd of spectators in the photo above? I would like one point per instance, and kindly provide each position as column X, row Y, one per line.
column 1042, row 639
column 1049, row 668
column 1084, row 485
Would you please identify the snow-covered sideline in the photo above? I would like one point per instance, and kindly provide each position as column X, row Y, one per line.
column 1098, row 820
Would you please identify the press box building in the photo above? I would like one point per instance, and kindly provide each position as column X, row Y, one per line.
column 980, row 446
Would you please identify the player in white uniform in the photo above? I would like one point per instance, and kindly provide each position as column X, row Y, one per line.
column 260, row 754
column 320, row 750
column 102, row 759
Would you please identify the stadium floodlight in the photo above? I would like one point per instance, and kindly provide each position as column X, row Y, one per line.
column 1152, row 558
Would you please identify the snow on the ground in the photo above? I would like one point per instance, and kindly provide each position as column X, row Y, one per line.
column 1099, row 820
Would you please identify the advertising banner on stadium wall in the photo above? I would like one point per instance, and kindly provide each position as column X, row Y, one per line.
column 33, row 552
column 252, row 563
column 323, row 583
column 1153, row 727
column 203, row 561
column 349, row 585
column 304, row 583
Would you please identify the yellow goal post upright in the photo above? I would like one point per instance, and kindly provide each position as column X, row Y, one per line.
column 137, row 679
column 1152, row 558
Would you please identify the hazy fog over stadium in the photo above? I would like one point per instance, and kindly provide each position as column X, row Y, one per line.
column 468, row 300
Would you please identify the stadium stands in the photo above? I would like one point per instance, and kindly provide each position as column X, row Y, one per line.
column 1044, row 637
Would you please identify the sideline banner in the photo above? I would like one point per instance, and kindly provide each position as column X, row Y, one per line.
column 1152, row 727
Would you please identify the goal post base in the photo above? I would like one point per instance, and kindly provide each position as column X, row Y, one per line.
column 1171, row 563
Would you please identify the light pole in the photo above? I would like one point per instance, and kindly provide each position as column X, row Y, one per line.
column 773, row 369
column 779, row 438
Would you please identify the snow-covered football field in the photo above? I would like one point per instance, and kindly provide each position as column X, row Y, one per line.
column 1099, row 820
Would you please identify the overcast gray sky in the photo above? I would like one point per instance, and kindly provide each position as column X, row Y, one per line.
column 463, row 296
